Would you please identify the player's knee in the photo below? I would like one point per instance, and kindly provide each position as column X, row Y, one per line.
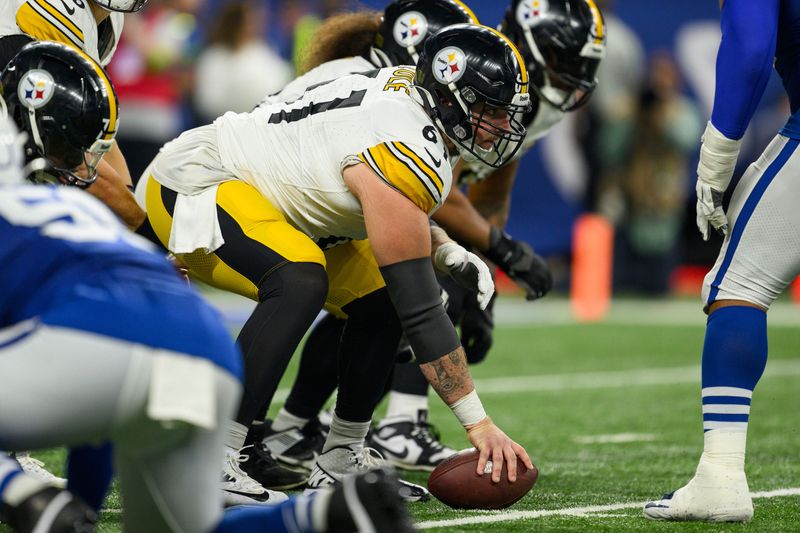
column 374, row 308
column 304, row 284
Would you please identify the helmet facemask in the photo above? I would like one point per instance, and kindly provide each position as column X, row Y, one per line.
column 64, row 163
column 122, row 6
column 475, row 120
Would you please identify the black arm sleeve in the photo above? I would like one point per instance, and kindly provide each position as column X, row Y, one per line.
column 415, row 294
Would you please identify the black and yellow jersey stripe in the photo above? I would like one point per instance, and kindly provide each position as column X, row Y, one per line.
column 43, row 21
column 402, row 168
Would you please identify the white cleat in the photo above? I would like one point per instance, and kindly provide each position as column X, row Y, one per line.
column 240, row 489
column 36, row 468
column 714, row 495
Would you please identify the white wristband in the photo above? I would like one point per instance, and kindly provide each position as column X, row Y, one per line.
column 469, row 409
column 718, row 156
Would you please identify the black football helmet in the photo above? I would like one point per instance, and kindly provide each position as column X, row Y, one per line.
column 467, row 76
column 65, row 103
column 406, row 24
column 563, row 42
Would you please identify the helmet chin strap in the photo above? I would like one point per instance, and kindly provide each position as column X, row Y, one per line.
column 37, row 139
column 379, row 58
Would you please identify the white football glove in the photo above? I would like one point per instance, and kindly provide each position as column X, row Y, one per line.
column 467, row 269
column 718, row 156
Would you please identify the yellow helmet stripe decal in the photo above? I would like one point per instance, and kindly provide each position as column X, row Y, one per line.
column 468, row 10
column 523, row 70
column 598, row 21
column 112, row 102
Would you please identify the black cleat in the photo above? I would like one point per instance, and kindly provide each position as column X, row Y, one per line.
column 262, row 466
column 369, row 502
column 51, row 510
column 297, row 447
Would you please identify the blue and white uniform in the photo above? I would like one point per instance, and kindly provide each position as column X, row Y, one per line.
column 101, row 340
column 761, row 254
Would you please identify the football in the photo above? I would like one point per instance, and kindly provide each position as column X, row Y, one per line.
column 456, row 484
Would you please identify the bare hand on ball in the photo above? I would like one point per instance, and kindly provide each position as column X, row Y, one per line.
column 497, row 447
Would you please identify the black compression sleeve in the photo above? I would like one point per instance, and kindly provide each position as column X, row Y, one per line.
column 416, row 298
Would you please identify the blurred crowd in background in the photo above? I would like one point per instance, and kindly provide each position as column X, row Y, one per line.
column 628, row 155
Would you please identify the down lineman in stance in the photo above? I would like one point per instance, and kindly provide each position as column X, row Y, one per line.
column 250, row 202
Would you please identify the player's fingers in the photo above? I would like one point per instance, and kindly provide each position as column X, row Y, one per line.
column 522, row 454
column 511, row 462
column 482, row 458
column 497, row 463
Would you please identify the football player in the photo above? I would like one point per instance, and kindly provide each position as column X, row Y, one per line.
column 350, row 43
column 562, row 42
column 759, row 255
column 93, row 27
column 250, row 202
column 72, row 371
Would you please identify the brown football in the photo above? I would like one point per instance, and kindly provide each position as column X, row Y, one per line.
column 456, row 484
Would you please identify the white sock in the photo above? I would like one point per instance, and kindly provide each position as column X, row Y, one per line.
column 346, row 433
column 724, row 448
column 406, row 405
column 286, row 420
column 235, row 436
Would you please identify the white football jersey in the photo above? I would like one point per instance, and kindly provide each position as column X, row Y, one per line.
column 320, row 74
column 294, row 153
column 65, row 21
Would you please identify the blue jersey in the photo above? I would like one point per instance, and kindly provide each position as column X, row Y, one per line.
column 756, row 35
column 67, row 261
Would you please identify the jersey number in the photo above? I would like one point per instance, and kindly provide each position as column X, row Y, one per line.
column 354, row 100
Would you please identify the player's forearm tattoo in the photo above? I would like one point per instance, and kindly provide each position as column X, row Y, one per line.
column 495, row 210
column 449, row 375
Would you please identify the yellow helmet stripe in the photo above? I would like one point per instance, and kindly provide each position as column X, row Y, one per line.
column 598, row 21
column 468, row 10
column 523, row 70
column 112, row 102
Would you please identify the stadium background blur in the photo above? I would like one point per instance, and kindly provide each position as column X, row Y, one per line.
column 629, row 155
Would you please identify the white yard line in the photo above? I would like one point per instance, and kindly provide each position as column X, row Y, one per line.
column 603, row 380
column 511, row 516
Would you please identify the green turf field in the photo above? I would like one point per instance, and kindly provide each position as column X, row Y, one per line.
column 610, row 414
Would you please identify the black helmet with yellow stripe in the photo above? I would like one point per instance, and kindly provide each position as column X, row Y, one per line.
column 563, row 42
column 474, row 85
column 406, row 24
column 66, row 104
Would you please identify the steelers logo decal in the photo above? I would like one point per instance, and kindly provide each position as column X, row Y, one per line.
column 410, row 29
column 35, row 88
column 449, row 64
column 529, row 12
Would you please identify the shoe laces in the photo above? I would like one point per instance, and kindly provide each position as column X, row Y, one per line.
column 368, row 458
column 428, row 434
column 239, row 477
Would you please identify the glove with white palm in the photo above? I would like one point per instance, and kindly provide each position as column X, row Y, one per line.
column 718, row 156
column 467, row 269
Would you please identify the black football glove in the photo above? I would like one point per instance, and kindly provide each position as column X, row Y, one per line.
column 476, row 330
column 520, row 262
column 51, row 509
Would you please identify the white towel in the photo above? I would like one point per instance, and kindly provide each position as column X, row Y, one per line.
column 182, row 389
column 194, row 223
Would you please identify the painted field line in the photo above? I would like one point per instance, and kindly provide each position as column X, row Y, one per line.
column 603, row 380
column 486, row 518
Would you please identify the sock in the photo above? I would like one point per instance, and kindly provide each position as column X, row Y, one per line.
column 286, row 420
column 236, row 435
column 345, row 433
column 15, row 485
column 734, row 358
column 90, row 470
column 301, row 514
column 406, row 405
